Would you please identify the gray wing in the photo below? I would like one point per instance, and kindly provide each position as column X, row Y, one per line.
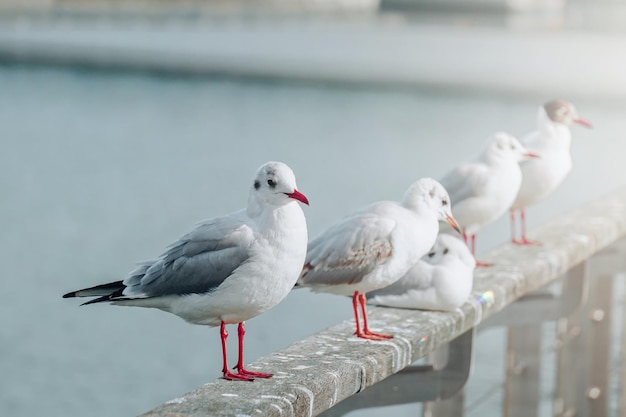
column 348, row 251
column 197, row 263
column 419, row 277
column 466, row 181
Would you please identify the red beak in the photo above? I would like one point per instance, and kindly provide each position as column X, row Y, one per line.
column 531, row 155
column 297, row 195
column 583, row 122
column 452, row 222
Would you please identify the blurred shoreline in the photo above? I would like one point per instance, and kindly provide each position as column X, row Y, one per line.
column 363, row 42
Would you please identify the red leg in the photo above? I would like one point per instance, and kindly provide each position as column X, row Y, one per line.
column 239, row 367
column 525, row 240
column 478, row 263
column 359, row 332
column 366, row 328
column 225, row 370
column 355, row 306
column 513, row 239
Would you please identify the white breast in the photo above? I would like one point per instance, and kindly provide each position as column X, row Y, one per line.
column 264, row 280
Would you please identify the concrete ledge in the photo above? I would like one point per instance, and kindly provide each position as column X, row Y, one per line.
column 314, row 374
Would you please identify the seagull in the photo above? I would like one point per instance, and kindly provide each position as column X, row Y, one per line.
column 441, row 280
column 228, row 269
column 541, row 177
column 483, row 189
column 375, row 246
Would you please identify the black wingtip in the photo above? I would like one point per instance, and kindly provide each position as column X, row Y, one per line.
column 97, row 300
column 103, row 292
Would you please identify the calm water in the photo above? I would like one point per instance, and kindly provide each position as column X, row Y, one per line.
column 98, row 171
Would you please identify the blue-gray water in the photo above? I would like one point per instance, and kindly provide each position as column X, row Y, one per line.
column 98, row 171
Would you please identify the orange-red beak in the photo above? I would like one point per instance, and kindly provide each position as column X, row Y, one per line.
column 452, row 222
column 297, row 195
column 583, row 122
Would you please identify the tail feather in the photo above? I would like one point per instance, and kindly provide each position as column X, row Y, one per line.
column 104, row 291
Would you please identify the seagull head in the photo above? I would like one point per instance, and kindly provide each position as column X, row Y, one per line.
column 505, row 147
column 448, row 247
column 431, row 193
column 564, row 112
column 275, row 184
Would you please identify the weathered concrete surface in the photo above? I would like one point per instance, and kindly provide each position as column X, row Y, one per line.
column 315, row 373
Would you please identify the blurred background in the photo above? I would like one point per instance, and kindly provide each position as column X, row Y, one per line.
column 126, row 122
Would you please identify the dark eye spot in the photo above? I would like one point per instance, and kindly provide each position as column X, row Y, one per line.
column 431, row 254
column 512, row 146
column 445, row 251
column 257, row 184
column 444, row 202
column 271, row 183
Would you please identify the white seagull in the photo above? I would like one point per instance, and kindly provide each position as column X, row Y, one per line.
column 228, row 269
column 375, row 246
column 483, row 189
column 441, row 280
column 552, row 140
